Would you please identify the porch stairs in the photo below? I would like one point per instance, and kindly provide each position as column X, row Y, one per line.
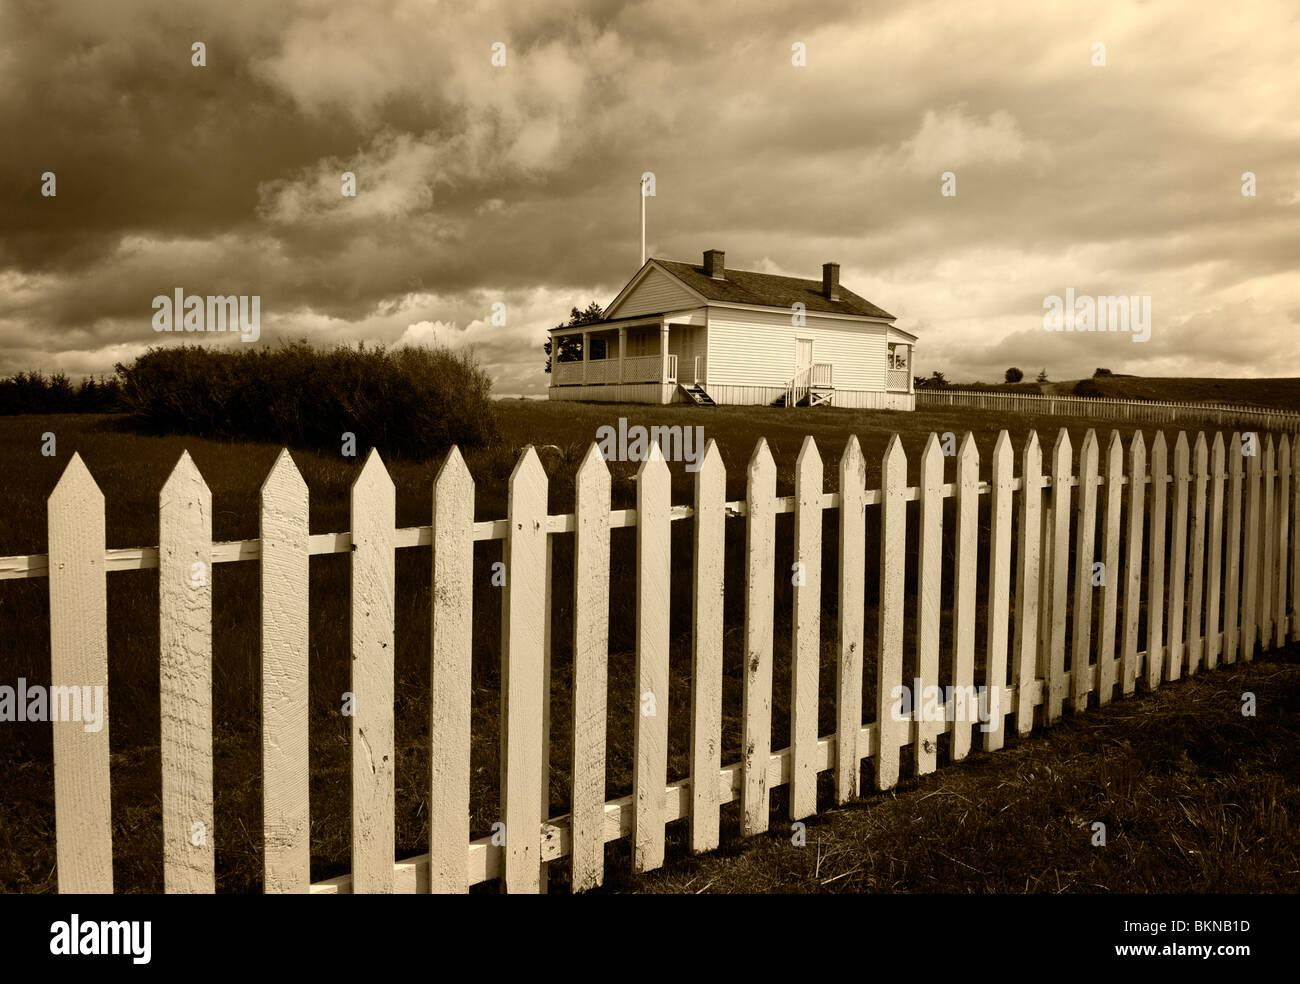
column 696, row 394
column 809, row 387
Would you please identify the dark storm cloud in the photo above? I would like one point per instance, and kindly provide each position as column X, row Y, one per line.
column 479, row 184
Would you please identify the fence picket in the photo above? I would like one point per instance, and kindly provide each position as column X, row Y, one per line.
column 185, row 679
column 1281, row 532
column 1137, row 473
column 1026, row 635
column 523, row 672
column 806, row 652
column 1059, row 532
column 286, row 764
column 79, row 658
column 1267, row 546
column 1178, row 559
column 1192, row 639
column 1250, row 556
column 760, row 572
column 1084, row 556
column 1107, row 663
column 852, row 584
column 650, row 734
column 1156, row 562
column 891, row 727
column 1295, row 540
column 929, row 579
column 1214, row 566
column 374, row 513
column 450, row 688
column 1001, row 488
column 706, row 652
column 965, row 574
column 1232, row 592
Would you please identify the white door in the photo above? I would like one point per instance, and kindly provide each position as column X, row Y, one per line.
column 802, row 354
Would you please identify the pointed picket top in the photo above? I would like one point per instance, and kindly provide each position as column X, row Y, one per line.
column 1137, row 446
column 1268, row 443
column 453, row 471
column 283, row 479
column 1181, row 454
column 1218, row 450
column 710, row 462
column 1115, row 445
column 968, row 453
column 1284, row 447
column 184, row 478
column 809, row 456
column 1061, row 452
column 593, row 464
column 1003, row 454
column 1200, row 454
column 654, row 462
column 373, row 474
column 851, row 461
column 761, row 461
column 76, row 484
column 1158, row 445
column 1090, row 442
column 894, row 461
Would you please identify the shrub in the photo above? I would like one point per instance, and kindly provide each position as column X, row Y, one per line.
column 34, row 392
column 1101, row 372
column 410, row 402
column 1014, row 375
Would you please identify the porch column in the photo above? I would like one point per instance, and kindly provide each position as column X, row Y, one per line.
column 550, row 358
column 622, row 351
column 911, row 381
column 663, row 352
column 586, row 353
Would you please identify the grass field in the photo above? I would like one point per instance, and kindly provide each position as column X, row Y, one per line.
column 131, row 468
column 1281, row 393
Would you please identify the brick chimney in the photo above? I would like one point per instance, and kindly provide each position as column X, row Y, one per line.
column 831, row 281
column 713, row 260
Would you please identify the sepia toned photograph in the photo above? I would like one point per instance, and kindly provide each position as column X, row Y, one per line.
column 596, row 448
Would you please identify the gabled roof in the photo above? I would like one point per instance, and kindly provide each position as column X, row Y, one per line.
column 769, row 290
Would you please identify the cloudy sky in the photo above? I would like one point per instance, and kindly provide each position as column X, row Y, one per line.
column 519, row 183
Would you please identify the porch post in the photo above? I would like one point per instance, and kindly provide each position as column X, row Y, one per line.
column 586, row 353
column 663, row 352
column 550, row 359
column 911, row 381
column 622, row 351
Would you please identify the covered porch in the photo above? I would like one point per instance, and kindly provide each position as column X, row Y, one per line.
column 633, row 359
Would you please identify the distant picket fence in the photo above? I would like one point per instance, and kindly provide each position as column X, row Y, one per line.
column 1231, row 539
column 1108, row 408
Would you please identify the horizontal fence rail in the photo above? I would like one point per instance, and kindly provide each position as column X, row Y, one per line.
column 1110, row 408
column 1229, row 508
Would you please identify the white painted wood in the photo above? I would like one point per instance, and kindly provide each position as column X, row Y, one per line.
column 1137, row 464
column 1111, row 588
column 1250, row 560
column 965, row 574
column 1295, row 540
column 806, row 642
column 1178, row 559
column 1232, row 565
column 374, row 513
column 1085, row 554
column 1192, row 637
column 1059, row 573
column 1156, row 562
column 653, row 574
column 929, row 581
column 706, row 651
column 999, row 598
column 1281, row 531
column 1025, row 646
column 891, row 728
column 450, row 686
column 523, row 672
column 286, row 766
column 1213, row 646
column 760, row 571
column 852, row 600
column 1267, row 546
column 185, row 680
column 79, row 658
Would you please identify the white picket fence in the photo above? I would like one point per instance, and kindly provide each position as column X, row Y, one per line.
column 1231, row 523
column 1108, row 408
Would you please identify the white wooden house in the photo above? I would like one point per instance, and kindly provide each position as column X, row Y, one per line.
column 707, row 334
